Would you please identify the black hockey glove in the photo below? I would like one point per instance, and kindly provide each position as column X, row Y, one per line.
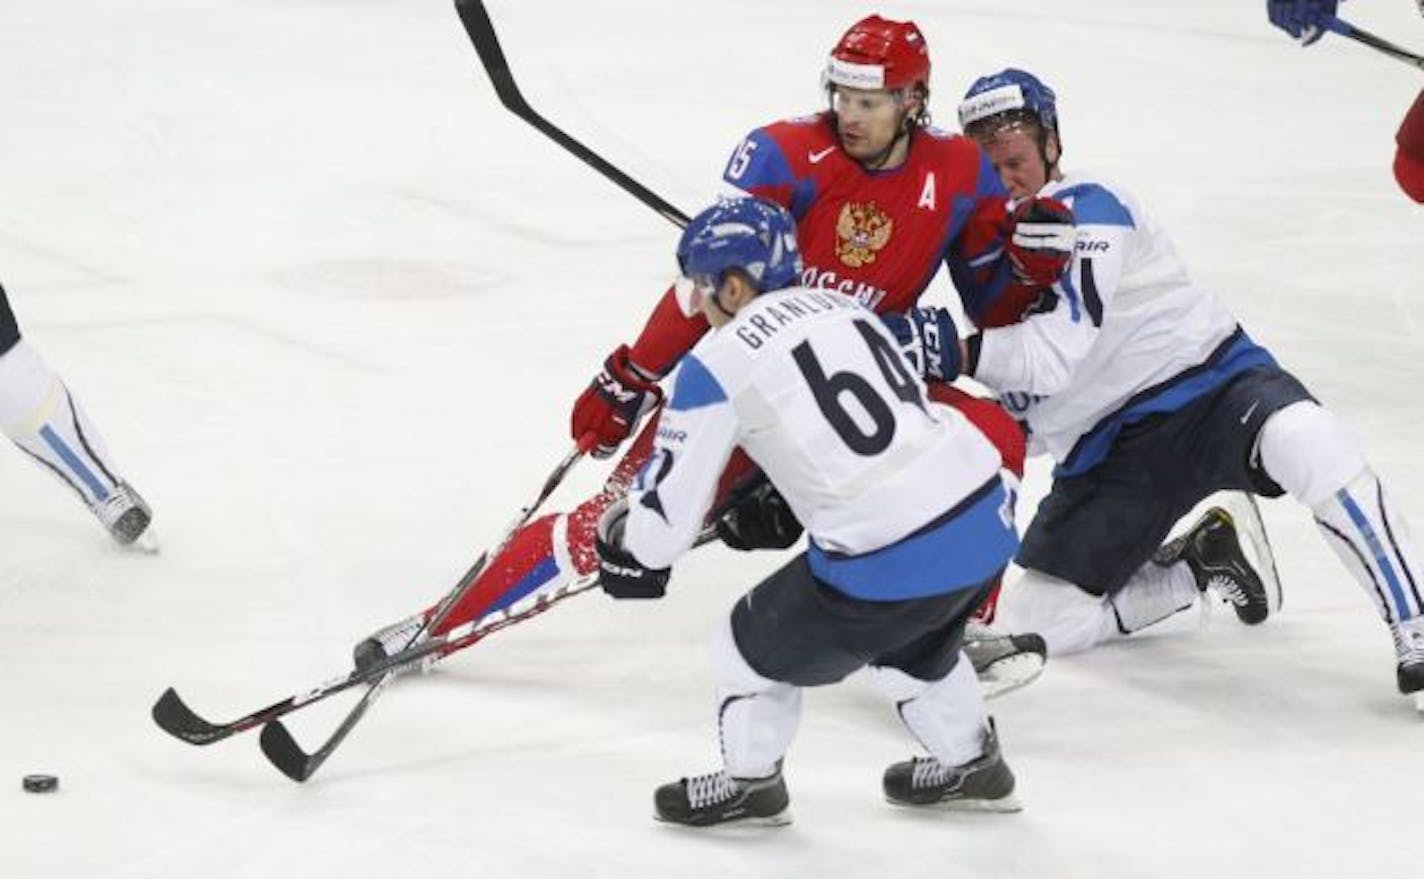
column 619, row 573
column 760, row 519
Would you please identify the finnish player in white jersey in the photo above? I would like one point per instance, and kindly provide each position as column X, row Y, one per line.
column 1150, row 396
column 40, row 416
column 909, row 523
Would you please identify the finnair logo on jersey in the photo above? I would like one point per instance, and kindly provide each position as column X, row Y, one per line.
column 991, row 103
column 855, row 76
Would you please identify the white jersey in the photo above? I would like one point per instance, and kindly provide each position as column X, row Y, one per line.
column 900, row 497
column 1130, row 334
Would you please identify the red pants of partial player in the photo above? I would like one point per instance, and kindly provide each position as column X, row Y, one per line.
column 558, row 549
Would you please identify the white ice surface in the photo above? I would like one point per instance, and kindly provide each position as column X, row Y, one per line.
column 329, row 303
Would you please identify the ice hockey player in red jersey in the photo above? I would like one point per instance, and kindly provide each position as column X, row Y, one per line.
column 881, row 201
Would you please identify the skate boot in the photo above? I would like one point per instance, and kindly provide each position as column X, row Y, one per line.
column 388, row 641
column 1409, row 651
column 1003, row 663
column 1210, row 548
column 984, row 784
column 717, row 798
column 124, row 513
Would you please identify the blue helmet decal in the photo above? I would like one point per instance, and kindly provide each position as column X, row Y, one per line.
column 750, row 234
column 1009, row 91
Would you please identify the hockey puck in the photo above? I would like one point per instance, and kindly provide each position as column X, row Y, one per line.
column 41, row 784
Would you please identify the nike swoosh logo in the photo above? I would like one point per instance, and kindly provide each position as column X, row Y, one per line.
column 1247, row 416
column 817, row 157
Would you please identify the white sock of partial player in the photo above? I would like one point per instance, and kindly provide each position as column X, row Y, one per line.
column 1071, row 619
column 756, row 716
column 1310, row 453
column 947, row 716
column 1373, row 541
column 38, row 414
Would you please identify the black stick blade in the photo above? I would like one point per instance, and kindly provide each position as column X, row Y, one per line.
column 285, row 753
column 174, row 717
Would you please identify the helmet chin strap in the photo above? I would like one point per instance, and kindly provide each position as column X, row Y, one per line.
column 907, row 126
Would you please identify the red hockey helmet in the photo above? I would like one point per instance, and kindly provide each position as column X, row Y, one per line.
column 877, row 53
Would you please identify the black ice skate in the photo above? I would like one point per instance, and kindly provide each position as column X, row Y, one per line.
column 124, row 513
column 1004, row 663
column 984, row 784
column 1409, row 653
column 717, row 798
column 1213, row 552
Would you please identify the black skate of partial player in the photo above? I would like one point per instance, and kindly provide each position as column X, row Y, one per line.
column 1213, row 553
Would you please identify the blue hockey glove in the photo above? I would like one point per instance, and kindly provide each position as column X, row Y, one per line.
column 929, row 340
column 1305, row 20
column 620, row 574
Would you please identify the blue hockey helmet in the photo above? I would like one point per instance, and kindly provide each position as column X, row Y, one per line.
column 1006, row 98
column 750, row 234
column 1013, row 98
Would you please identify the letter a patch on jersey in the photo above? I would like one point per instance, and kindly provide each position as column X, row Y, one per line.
column 927, row 195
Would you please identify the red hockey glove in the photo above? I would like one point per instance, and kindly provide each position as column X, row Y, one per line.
column 613, row 403
column 1043, row 239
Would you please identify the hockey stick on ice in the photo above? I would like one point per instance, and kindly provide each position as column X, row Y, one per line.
column 1364, row 37
column 277, row 741
column 177, row 719
column 481, row 31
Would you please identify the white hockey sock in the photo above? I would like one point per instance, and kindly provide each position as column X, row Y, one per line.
column 1312, row 455
column 1154, row 594
column 38, row 414
column 756, row 716
column 1071, row 619
column 946, row 716
column 1372, row 539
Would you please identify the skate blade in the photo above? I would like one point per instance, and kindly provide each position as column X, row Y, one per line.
column 1009, row 803
column 1419, row 701
column 1009, row 674
column 780, row 819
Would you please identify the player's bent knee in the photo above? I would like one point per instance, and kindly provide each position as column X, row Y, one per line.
column 1309, row 452
column 1068, row 618
column 733, row 671
column 896, row 684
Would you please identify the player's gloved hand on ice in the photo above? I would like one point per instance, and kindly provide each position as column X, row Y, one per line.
column 929, row 340
column 1043, row 240
column 614, row 402
column 1305, row 20
column 759, row 519
column 620, row 574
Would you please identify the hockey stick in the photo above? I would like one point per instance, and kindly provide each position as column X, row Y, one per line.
column 174, row 717
column 277, row 741
column 481, row 31
column 1364, row 37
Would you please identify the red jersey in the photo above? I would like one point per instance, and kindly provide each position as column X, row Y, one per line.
column 1409, row 159
column 879, row 236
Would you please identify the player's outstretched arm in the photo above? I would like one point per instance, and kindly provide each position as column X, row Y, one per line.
column 626, row 389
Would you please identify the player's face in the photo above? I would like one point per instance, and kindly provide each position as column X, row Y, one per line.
column 1015, row 155
column 869, row 120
